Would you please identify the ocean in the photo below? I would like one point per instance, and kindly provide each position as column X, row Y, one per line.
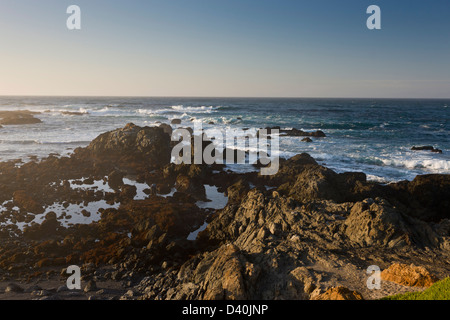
column 374, row 136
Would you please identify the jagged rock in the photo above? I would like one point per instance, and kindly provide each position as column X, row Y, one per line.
column 131, row 144
column 316, row 182
column 339, row 293
column 223, row 276
column 237, row 191
column 409, row 275
column 290, row 168
column 376, row 222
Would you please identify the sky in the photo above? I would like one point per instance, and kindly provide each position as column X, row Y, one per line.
column 226, row 48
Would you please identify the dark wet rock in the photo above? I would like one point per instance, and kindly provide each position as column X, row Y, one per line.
column 128, row 192
column 427, row 196
column 91, row 286
column 61, row 289
column 163, row 188
column 426, row 148
column 32, row 288
column 14, row 288
column 115, row 180
column 307, row 140
column 167, row 128
column 131, row 146
column 175, row 121
column 48, row 228
column 297, row 132
column 88, row 181
column 192, row 186
column 26, row 201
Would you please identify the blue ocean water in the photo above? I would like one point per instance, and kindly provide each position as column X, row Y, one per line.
column 370, row 135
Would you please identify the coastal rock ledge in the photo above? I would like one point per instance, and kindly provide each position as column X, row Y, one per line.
column 305, row 233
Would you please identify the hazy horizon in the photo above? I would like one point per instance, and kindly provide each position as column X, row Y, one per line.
column 221, row 97
column 234, row 48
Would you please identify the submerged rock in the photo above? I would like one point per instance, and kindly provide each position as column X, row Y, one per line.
column 426, row 148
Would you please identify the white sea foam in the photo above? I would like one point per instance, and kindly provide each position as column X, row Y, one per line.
column 202, row 109
column 432, row 165
column 375, row 178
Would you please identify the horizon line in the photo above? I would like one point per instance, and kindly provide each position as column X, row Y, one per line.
column 219, row 97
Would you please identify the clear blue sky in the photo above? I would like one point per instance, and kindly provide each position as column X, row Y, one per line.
column 254, row 48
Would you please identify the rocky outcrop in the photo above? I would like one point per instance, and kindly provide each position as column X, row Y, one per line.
column 221, row 275
column 237, row 191
column 409, row 275
column 293, row 235
column 131, row 145
column 18, row 117
column 304, row 180
column 427, row 196
column 377, row 223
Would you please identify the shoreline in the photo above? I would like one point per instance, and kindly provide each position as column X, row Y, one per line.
column 293, row 235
